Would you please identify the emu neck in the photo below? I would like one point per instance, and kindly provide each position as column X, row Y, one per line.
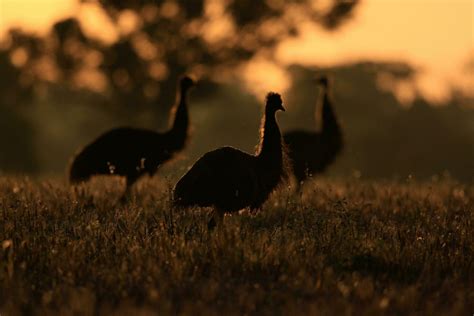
column 270, row 150
column 329, row 125
column 179, row 129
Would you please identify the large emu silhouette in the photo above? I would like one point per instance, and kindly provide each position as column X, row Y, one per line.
column 133, row 152
column 312, row 152
column 229, row 179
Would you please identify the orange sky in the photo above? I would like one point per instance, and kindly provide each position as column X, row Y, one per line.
column 33, row 14
column 435, row 35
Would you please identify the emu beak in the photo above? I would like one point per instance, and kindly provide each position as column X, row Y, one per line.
column 319, row 78
column 282, row 108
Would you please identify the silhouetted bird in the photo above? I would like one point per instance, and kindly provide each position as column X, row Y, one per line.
column 133, row 152
column 312, row 152
column 229, row 179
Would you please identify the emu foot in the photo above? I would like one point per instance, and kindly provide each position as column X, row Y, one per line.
column 126, row 198
column 211, row 225
column 84, row 199
column 89, row 202
column 254, row 211
column 217, row 217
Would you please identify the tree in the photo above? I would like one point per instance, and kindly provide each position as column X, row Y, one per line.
column 168, row 38
column 163, row 40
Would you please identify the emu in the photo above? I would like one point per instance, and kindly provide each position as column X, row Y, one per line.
column 312, row 152
column 228, row 179
column 133, row 152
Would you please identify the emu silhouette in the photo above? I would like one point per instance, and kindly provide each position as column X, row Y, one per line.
column 133, row 152
column 229, row 179
column 312, row 152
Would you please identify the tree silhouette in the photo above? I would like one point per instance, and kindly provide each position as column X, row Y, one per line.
column 139, row 69
column 172, row 37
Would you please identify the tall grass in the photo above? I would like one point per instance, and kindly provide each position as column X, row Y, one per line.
column 339, row 247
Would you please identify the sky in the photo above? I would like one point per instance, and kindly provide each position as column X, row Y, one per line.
column 436, row 36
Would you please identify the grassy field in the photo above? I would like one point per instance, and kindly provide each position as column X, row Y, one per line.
column 347, row 247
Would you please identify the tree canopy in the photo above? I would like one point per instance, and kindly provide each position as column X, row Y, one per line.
column 157, row 42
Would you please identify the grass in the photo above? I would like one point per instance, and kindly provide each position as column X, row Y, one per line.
column 341, row 247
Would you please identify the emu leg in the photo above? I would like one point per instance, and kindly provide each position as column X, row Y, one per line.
column 217, row 219
column 127, row 194
column 80, row 193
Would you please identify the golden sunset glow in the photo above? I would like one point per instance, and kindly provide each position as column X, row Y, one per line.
column 437, row 37
column 34, row 15
column 256, row 76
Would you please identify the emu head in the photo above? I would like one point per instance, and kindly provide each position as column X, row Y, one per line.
column 274, row 102
column 186, row 83
column 323, row 80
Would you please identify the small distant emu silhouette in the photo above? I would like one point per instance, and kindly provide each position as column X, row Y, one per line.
column 229, row 179
column 132, row 152
column 312, row 152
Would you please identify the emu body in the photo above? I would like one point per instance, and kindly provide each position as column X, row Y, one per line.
column 133, row 152
column 229, row 179
column 312, row 152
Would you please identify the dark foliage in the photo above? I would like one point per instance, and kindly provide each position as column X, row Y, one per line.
column 341, row 10
column 18, row 152
column 170, row 39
